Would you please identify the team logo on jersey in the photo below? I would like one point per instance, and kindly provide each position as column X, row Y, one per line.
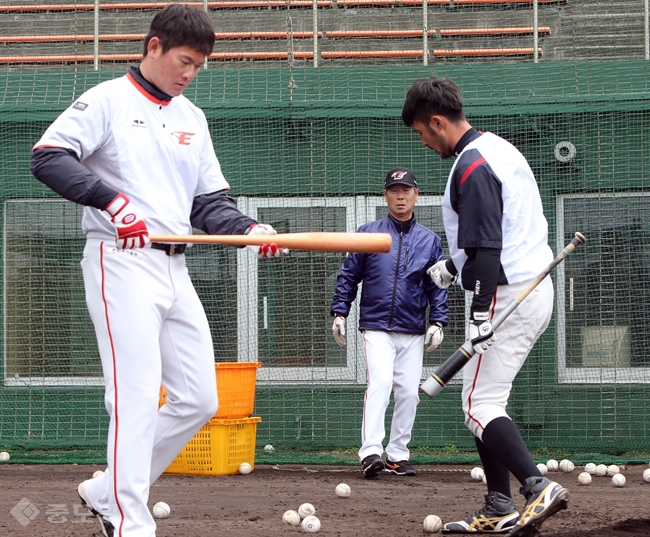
column 139, row 123
column 79, row 106
column 184, row 138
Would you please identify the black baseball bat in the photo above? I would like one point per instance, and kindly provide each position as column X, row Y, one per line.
column 452, row 365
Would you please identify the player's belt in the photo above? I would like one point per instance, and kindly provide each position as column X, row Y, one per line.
column 169, row 249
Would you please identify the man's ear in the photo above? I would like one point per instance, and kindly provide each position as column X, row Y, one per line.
column 154, row 45
column 437, row 122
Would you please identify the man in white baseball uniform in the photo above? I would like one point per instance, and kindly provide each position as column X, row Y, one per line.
column 138, row 155
column 393, row 307
column 498, row 242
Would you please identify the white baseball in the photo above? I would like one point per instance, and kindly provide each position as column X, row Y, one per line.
column 590, row 468
column 291, row 517
column 601, row 470
column 552, row 465
column 566, row 465
column 646, row 475
column 4, row 456
column 343, row 490
column 161, row 510
column 245, row 468
column 98, row 473
column 612, row 469
column 269, row 448
column 432, row 524
column 542, row 468
column 477, row 473
column 306, row 509
column 584, row 478
column 310, row 524
column 618, row 480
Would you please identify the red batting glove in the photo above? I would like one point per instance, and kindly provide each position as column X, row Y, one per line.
column 130, row 229
column 266, row 250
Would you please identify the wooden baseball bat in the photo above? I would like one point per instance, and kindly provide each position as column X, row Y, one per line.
column 318, row 241
column 452, row 365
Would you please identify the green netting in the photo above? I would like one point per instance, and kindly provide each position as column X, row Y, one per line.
column 305, row 144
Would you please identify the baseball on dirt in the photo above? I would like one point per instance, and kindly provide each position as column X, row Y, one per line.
column 305, row 510
column 343, row 490
column 601, row 470
column 612, row 469
column 310, row 524
column 477, row 473
column 590, row 468
column 618, row 480
column 4, row 456
column 432, row 524
column 566, row 465
column 98, row 473
column 542, row 468
column 161, row 510
column 646, row 475
column 245, row 468
column 584, row 478
column 269, row 448
column 291, row 517
column 552, row 465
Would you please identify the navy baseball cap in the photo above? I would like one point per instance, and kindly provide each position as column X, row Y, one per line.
column 400, row 176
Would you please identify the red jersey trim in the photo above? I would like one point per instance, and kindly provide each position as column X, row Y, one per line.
column 144, row 92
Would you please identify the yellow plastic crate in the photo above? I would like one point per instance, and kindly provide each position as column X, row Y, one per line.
column 236, row 387
column 218, row 448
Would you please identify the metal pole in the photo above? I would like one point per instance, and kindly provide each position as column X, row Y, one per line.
column 535, row 36
column 205, row 8
column 425, row 34
column 96, row 37
column 647, row 31
column 315, row 23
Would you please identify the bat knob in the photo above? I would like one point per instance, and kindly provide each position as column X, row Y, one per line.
column 431, row 387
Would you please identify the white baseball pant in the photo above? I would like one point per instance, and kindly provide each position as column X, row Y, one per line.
column 488, row 377
column 150, row 327
column 393, row 362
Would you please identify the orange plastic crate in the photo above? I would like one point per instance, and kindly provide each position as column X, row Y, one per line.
column 236, row 387
column 218, row 448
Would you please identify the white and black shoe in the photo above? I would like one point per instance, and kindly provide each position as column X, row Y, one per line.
column 498, row 516
column 372, row 465
column 544, row 498
column 399, row 468
column 106, row 527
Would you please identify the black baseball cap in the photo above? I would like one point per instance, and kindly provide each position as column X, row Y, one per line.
column 400, row 176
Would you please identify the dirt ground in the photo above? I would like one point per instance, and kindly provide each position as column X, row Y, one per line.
column 43, row 498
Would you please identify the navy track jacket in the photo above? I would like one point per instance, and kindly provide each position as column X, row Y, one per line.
column 396, row 288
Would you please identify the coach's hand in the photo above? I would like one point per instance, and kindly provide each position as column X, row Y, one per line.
column 435, row 336
column 480, row 331
column 130, row 229
column 266, row 250
column 441, row 273
column 338, row 330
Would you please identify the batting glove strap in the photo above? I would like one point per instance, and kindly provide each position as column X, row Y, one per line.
column 266, row 250
column 480, row 332
column 130, row 228
column 441, row 275
column 338, row 330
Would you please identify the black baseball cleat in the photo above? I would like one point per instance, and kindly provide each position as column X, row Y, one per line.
column 544, row 498
column 372, row 465
column 498, row 516
column 399, row 468
column 106, row 527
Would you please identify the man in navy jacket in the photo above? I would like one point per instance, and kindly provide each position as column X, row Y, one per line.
column 396, row 293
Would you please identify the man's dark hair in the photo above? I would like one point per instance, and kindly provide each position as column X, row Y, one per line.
column 432, row 96
column 179, row 25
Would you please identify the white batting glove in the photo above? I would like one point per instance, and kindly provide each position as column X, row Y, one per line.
column 130, row 229
column 266, row 250
column 441, row 275
column 480, row 332
column 435, row 336
column 338, row 330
